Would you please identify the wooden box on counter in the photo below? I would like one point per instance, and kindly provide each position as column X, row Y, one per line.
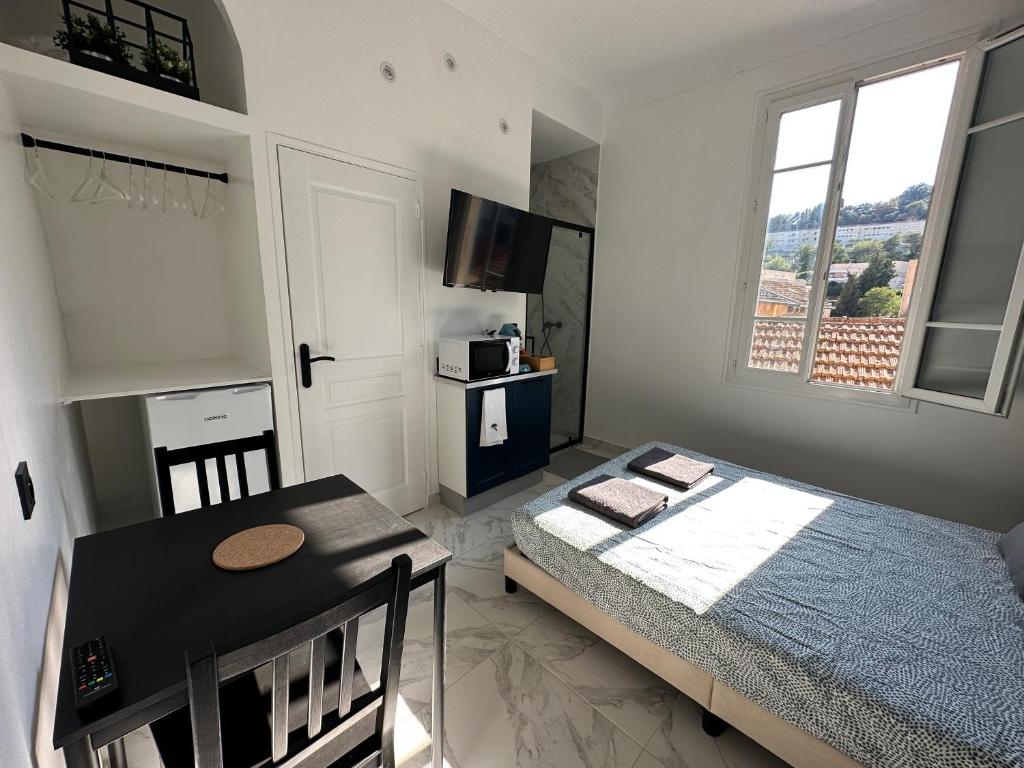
column 537, row 362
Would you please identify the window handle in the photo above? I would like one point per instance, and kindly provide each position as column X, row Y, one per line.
column 305, row 364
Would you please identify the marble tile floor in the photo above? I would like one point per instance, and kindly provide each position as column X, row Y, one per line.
column 526, row 687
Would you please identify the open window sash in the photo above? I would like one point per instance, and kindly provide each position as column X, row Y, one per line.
column 845, row 94
column 962, row 345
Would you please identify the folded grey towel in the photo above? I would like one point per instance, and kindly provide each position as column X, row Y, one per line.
column 671, row 467
column 621, row 500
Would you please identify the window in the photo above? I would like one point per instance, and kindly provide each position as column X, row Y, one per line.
column 967, row 347
column 860, row 283
column 842, row 239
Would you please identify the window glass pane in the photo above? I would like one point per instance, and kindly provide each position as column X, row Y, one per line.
column 957, row 361
column 790, row 245
column 898, row 129
column 1002, row 89
column 987, row 230
column 776, row 346
column 807, row 135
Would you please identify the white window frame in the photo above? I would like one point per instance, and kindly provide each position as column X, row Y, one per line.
column 769, row 109
column 1007, row 362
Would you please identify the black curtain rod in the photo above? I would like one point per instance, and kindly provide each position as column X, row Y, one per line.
column 31, row 141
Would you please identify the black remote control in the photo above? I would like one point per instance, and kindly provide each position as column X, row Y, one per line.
column 92, row 671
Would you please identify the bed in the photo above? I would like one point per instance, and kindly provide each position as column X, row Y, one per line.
column 833, row 630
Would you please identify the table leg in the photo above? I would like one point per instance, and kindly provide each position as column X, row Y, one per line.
column 115, row 752
column 437, row 699
column 80, row 754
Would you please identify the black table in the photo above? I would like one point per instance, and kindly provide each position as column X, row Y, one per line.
column 152, row 590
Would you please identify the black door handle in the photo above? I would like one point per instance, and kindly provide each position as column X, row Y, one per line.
column 304, row 364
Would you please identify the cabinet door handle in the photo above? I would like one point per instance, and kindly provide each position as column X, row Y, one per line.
column 305, row 361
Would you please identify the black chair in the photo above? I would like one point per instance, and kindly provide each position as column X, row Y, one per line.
column 198, row 454
column 269, row 713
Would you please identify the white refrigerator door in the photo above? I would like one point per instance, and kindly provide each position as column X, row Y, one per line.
column 184, row 419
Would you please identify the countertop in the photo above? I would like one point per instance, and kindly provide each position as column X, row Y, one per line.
column 492, row 382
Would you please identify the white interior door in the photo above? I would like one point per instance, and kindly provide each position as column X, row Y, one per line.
column 354, row 252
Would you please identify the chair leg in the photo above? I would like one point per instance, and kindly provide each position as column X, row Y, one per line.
column 510, row 586
column 713, row 725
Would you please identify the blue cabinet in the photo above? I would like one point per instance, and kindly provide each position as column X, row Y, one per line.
column 531, row 428
column 528, row 409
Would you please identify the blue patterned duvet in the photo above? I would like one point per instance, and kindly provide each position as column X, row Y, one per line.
column 895, row 637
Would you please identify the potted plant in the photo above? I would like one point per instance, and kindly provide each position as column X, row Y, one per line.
column 91, row 37
column 162, row 60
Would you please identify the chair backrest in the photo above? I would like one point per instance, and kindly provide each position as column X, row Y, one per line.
column 199, row 454
column 318, row 748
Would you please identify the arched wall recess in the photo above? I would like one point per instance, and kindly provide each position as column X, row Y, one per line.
column 219, row 69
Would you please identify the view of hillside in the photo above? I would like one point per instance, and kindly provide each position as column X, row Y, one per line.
column 909, row 205
column 869, row 267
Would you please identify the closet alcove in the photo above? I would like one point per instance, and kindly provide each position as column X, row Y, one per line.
column 152, row 297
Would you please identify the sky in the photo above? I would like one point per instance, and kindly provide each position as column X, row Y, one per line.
column 898, row 128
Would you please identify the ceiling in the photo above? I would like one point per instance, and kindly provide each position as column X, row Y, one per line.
column 630, row 52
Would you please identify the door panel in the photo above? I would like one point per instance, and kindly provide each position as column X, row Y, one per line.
column 354, row 253
column 362, row 312
column 488, row 466
column 532, row 419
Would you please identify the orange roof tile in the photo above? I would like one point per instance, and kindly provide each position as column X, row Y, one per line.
column 857, row 351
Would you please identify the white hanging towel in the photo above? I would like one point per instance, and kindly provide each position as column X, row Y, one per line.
column 493, row 424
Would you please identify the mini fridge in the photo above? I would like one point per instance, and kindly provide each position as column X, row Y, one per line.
column 183, row 419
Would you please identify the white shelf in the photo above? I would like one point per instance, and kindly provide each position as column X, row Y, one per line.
column 121, row 381
column 65, row 99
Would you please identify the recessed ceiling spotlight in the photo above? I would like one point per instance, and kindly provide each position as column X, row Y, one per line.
column 503, row 126
column 387, row 71
column 450, row 62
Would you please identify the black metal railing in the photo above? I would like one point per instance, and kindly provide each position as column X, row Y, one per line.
column 141, row 34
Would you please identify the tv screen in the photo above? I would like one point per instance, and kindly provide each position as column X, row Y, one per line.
column 495, row 247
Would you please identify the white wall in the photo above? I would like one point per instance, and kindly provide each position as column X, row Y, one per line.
column 165, row 271
column 35, row 428
column 673, row 186
column 312, row 72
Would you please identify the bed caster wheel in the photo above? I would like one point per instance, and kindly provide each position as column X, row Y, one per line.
column 510, row 586
column 713, row 725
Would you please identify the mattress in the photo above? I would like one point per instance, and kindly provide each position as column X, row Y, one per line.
column 895, row 637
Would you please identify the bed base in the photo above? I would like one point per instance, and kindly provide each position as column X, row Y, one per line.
column 721, row 704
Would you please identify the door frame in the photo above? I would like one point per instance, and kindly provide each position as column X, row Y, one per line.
column 583, row 229
column 283, row 353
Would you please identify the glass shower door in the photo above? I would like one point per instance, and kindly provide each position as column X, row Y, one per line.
column 558, row 320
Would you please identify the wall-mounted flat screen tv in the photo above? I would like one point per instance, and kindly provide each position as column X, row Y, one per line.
column 495, row 247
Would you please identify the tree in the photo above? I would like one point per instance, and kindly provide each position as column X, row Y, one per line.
column 916, row 193
column 803, row 259
column 879, row 302
column 864, row 250
column 916, row 211
column 878, row 274
column 893, row 248
column 777, row 262
column 848, row 303
column 912, row 243
column 839, row 254
column 833, row 289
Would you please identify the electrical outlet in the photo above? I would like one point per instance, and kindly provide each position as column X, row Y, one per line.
column 26, row 491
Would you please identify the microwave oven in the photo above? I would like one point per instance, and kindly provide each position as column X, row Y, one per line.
column 471, row 358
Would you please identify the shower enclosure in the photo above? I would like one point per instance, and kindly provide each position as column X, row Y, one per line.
column 558, row 323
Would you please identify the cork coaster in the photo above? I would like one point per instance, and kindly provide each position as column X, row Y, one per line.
column 258, row 547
